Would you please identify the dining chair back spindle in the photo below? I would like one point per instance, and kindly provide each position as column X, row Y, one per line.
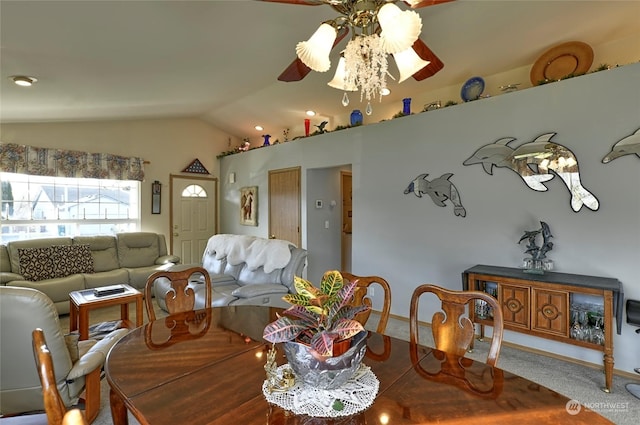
column 361, row 297
column 180, row 297
column 453, row 331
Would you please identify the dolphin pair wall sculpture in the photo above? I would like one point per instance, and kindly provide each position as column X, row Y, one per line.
column 439, row 189
column 537, row 162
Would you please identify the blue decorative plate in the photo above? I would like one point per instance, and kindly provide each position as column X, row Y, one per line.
column 472, row 89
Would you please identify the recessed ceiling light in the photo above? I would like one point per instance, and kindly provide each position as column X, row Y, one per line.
column 311, row 113
column 259, row 128
column 385, row 92
column 23, row 80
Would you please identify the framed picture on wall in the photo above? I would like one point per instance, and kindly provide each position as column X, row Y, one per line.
column 249, row 205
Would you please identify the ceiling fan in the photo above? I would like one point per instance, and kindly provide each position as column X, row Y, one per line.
column 362, row 17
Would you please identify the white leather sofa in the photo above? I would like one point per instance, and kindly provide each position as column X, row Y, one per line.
column 57, row 266
column 244, row 270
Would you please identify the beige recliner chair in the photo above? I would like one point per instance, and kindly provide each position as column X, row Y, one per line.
column 77, row 364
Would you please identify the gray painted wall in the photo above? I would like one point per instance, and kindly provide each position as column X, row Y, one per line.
column 410, row 240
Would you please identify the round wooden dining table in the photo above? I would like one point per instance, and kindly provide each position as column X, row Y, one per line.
column 207, row 367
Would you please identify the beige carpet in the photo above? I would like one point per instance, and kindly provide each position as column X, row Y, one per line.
column 579, row 382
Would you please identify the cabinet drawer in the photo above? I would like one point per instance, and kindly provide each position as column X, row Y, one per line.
column 550, row 311
column 515, row 305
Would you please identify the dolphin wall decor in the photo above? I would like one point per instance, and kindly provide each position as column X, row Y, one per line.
column 439, row 189
column 626, row 146
column 537, row 162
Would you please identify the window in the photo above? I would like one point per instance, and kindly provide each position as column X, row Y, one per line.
column 38, row 206
column 194, row 191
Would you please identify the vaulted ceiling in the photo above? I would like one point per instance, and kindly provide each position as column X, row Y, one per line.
column 219, row 60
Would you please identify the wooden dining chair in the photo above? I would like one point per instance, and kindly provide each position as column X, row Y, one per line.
column 453, row 332
column 360, row 298
column 54, row 406
column 179, row 295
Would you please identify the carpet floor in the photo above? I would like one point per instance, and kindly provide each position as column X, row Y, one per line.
column 576, row 381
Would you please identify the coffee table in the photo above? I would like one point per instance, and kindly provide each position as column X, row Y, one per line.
column 81, row 302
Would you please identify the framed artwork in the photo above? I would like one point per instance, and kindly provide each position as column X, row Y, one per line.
column 156, row 194
column 249, row 205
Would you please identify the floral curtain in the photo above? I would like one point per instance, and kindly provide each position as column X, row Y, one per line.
column 31, row 160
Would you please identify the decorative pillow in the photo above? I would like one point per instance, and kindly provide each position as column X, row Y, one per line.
column 72, row 346
column 35, row 263
column 71, row 259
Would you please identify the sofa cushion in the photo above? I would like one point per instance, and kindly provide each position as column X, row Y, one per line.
column 103, row 250
column 35, row 263
column 138, row 249
column 71, row 259
column 249, row 291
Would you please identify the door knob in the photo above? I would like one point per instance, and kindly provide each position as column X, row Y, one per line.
column 176, row 234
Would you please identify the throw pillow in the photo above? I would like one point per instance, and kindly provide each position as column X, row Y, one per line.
column 71, row 259
column 72, row 346
column 35, row 263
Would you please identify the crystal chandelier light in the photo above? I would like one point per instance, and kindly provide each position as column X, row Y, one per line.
column 379, row 29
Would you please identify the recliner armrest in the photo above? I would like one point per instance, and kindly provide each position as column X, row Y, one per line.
column 251, row 291
column 95, row 357
column 167, row 259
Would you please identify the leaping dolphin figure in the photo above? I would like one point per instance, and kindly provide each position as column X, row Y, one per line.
column 439, row 189
column 627, row 146
column 534, row 162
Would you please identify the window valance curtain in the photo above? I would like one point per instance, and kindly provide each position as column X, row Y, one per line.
column 31, row 160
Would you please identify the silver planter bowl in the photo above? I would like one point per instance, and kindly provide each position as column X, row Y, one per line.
column 328, row 373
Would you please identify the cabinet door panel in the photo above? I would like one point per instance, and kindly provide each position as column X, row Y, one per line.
column 550, row 311
column 515, row 305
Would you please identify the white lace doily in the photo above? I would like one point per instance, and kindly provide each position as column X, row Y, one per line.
column 357, row 394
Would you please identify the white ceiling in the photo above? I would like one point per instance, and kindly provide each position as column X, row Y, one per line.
column 219, row 60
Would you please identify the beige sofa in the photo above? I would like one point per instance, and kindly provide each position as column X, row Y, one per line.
column 57, row 266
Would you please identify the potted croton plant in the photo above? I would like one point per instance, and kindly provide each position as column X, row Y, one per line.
column 318, row 320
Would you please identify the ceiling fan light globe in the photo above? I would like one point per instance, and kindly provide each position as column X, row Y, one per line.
column 400, row 29
column 339, row 79
column 408, row 63
column 315, row 52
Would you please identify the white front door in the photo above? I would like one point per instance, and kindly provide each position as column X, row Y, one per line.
column 194, row 216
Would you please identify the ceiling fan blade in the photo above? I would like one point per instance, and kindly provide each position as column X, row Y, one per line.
column 302, row 2
column 415, row 4
column 297, row 70
column 425, row 53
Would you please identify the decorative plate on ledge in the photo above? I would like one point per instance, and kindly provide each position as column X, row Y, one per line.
column 574, row 57
column 472, row 89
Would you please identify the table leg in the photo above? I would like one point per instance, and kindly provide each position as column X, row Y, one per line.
column 84, row 323
column 118, row 409
column 139, row 312
column 73, row 317
column 124, row 312
column 608, row 342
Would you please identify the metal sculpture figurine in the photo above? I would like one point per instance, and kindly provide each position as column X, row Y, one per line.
column 537, row 263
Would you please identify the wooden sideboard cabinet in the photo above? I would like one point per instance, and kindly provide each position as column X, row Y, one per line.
column 541, row 304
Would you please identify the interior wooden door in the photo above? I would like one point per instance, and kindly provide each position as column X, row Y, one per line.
column 193, row 217
column 347, row 218
column 284, row 205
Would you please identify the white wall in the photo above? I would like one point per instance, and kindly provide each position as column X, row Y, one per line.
column 411, row 241
column 169, row 145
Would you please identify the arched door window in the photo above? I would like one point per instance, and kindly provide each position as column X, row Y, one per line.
column 194, row 191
